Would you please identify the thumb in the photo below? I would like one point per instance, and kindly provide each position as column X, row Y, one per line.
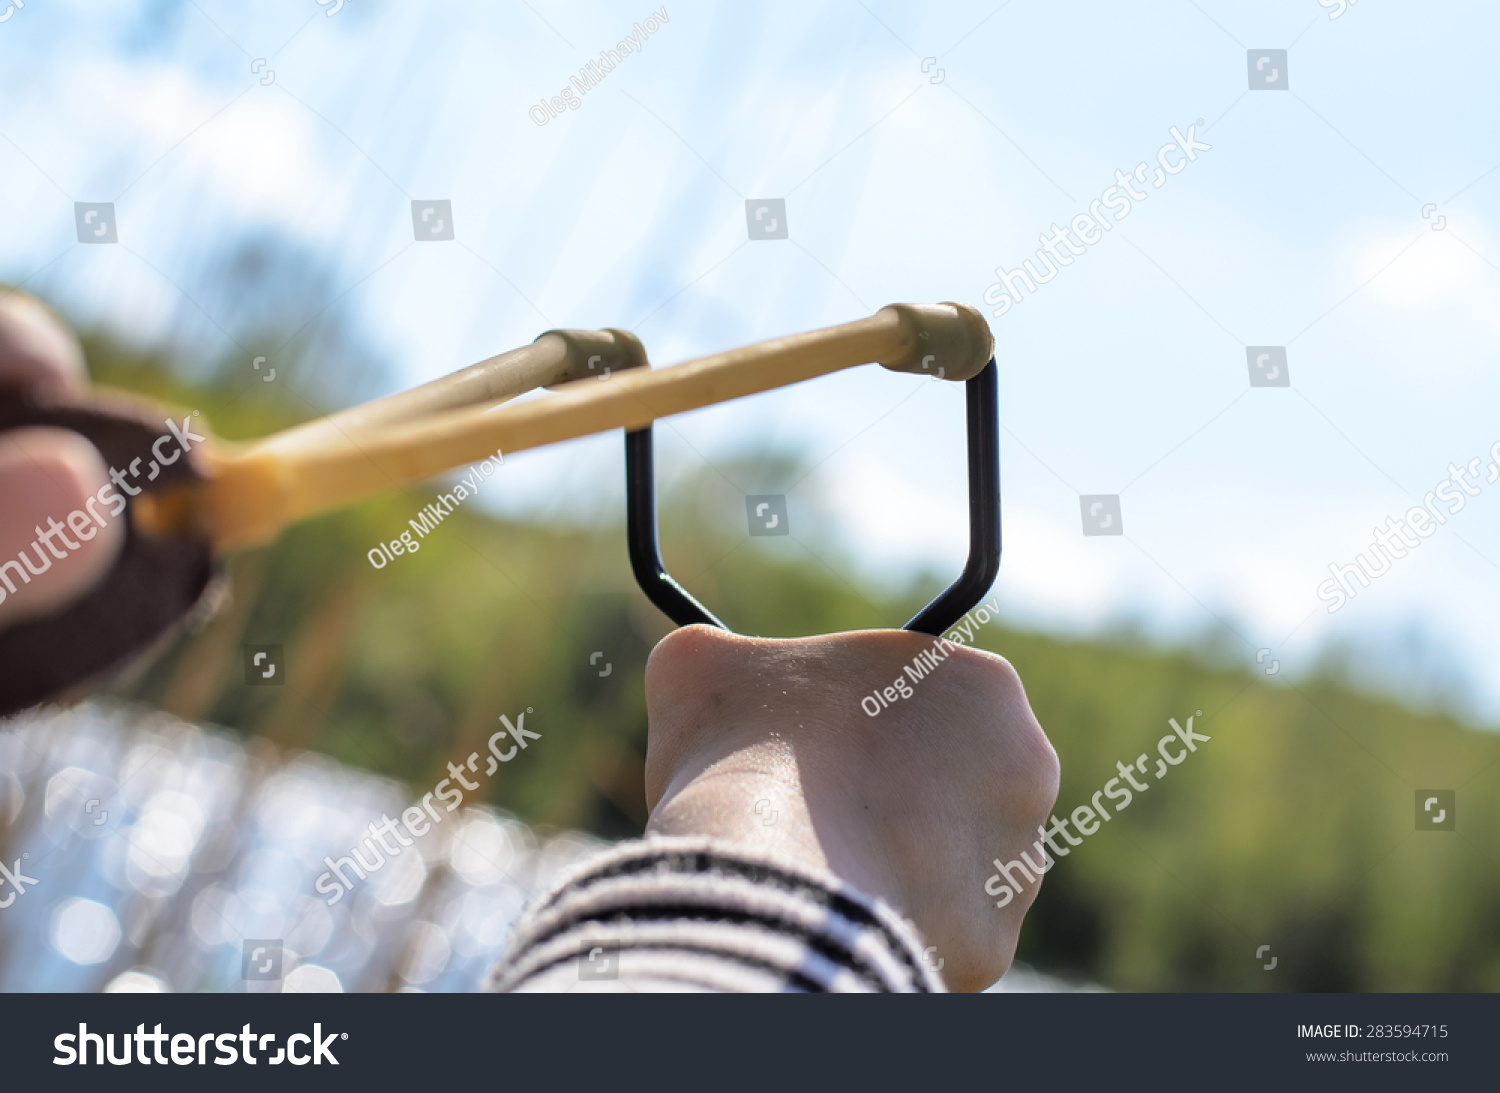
column 51, row 548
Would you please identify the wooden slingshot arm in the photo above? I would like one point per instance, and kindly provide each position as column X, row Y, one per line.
column 253, row 492
column 556, row 357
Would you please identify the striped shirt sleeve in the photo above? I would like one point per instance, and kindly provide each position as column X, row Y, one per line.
column 690, row 914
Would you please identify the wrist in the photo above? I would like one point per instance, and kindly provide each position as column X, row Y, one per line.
column 752, row 796
column 752, row 793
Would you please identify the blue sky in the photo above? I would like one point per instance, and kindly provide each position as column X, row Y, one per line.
column 1303, row 226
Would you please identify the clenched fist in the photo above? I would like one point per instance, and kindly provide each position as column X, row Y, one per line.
column 765, row 742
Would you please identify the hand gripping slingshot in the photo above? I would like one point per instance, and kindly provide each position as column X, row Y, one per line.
column 219, row 496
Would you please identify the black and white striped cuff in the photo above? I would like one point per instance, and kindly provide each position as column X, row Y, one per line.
column 691, row 914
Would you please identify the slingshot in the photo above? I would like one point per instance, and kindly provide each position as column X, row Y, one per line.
column 224, row 496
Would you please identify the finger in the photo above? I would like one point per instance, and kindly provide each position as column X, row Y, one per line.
column 38, row 354
column 57, row 541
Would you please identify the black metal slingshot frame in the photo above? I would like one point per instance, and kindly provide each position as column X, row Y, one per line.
column 981, row 399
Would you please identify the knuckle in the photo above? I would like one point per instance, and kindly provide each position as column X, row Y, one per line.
column 686, row 650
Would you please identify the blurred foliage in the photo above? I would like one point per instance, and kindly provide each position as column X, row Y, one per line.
column 1294, row 827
